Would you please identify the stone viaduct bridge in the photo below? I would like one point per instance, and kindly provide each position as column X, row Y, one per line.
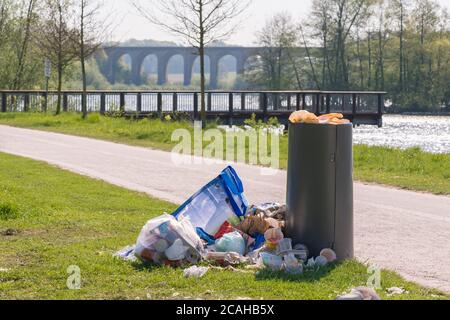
column 189, row 55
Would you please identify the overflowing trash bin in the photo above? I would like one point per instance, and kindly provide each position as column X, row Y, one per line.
column 320, row 186
column 217, row 225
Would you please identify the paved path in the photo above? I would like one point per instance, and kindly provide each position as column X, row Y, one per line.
column 404, row 231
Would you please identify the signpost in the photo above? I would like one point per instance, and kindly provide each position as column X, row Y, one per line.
column 47, row 73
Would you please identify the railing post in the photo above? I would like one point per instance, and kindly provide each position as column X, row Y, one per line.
column 380, row 104
column 44, row 101
column 297, row 102
column 276, row 101
column 355, row 106
column 102, row 103
column 264, row 106
column 159, row 104
column 289, row 102
column 26, row 102
column 65, row 102
column 380, row 109
column 261, row 101
column 209, row 100
column 317, row 104
column 328, row 103
column 303, row 101
column 139, row 103
column 4, row 101
column 122, row 101
column 230, row 109
column 195, row 106
column 175, row 102
column 243, row 101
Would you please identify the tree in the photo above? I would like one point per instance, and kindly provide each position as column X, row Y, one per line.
column 91, row 32
column 5, row 27
column 334, row 22
column 56, row 39
column 398, row 9
column 320, row 27
column 382, row 40
column 275, row 68
column 4, row 14
column 28, row 19
column 19, row 67
column 198, row 22
column 424, row 22
column 280, row 64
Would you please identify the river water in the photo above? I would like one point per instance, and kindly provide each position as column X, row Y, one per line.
column 430, row 133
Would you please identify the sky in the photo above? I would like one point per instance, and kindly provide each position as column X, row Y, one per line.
column 128, row 23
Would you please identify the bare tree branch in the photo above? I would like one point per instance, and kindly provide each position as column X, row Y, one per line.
column 198, row 22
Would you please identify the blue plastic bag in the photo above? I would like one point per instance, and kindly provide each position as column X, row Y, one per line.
column 231, row 242
column 219, row 201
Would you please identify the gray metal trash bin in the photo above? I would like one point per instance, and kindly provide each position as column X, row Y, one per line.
column 320, row 188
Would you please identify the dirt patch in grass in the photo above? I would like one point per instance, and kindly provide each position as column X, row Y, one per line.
column 10, row 233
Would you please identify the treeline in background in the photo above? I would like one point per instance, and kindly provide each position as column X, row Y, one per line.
column 398, row 46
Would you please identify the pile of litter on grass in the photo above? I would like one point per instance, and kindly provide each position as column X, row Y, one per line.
column 217, row 226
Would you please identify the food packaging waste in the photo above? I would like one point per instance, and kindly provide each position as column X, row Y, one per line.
column 222, row 200
column 284, row 245
column 231, row 242
column 304, row 116
column 329, row 254
column 165, row 239
column 272, row 262
column 195, row 272
column 177, row 251
column 292, row 265
column 274, row 236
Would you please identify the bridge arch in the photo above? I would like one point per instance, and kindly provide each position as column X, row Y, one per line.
column 189, row 54
column 196, row 70
column 121, row 68
column 147, row 71
column 216, row 56
column 175, row 68
column 227, row 65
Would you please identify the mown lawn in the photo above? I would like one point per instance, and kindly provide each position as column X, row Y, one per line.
column 51, row 219
column 410, row 169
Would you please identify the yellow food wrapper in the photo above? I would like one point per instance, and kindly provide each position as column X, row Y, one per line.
column 304, row 116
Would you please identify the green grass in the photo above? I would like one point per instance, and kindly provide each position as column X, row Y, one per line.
column 64, row 219
column 409, row 169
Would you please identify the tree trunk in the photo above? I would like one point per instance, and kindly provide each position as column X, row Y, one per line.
column 369, row 48
column 296, row 72
column 60, row 62
column 361, row 72
column 311, row 64
column 83, row 64
column 326, row 60
column 60, row 75
column 84, row 95
column 202, row 66
column 380, row 62
column 280, row 57
column 401, row 76
column 24, row 48
column 202, row 84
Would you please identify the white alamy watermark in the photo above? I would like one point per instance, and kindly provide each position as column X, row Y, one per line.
column 74, row 279
column 374, row 280
column 215, row 146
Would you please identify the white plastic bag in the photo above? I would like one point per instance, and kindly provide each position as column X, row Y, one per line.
column 164, row 240
column 195, row 272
